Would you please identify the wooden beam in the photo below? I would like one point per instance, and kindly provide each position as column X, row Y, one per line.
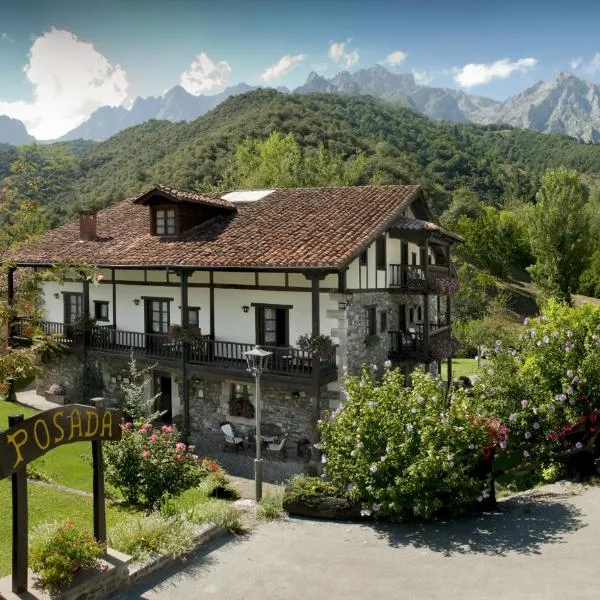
column 316, row 320
column 185, row 322
column 19, row 522
column 211, row 283
column 98, row 483
column 114, row 299
column 426, row 298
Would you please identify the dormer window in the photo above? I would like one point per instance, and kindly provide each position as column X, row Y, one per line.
column 165, row 221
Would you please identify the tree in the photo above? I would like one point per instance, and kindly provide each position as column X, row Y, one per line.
column 559, row 233
column 280, row 161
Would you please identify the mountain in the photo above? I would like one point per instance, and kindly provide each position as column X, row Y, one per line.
column 437, row 103
column 12, row 131
column 567, row 105
column 176, row 105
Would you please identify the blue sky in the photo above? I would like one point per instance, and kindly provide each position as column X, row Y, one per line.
column 59, row 60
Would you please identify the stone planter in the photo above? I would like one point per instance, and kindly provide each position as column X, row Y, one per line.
column 56, row 398
column 324, row 508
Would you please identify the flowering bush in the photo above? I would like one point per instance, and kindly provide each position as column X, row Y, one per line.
column 402, row 451
column 546, row 389
column 59, row 551
column 147, row 463
column 445, row 286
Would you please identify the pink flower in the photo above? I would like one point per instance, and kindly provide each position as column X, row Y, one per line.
column 127, row 425
column 145, row 454
column 153, row 437
column 146, row 427
column 178, row 457
column 166, row 429
column 181, row 447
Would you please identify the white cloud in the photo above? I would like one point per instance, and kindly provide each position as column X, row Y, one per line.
column 575, row 63
column 479, row 74
column 71, row 79
column 338, row 54
column 204, row 75
column 397, row 57
column 422, row 77
column 590, row 67
column 282, row 66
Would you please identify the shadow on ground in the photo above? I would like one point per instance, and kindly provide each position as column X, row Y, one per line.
column 194, row 565
column 523, row 526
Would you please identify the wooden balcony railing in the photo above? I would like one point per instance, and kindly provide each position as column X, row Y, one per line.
column 405, row 344
column 412, row 277
column 218, row 354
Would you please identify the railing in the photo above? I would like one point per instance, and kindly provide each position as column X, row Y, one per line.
column 407, row 276
column 204, row 351
column 413, row 342
column 433, row 327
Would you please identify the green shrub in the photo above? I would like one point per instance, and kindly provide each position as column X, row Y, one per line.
column 270, row 507
column 154, row 534
column 401, row 451
column 60, row 551
column 304, row 486
column 147, row 463
column 546, row 389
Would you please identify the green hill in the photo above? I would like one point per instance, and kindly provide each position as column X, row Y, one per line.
column 401, row 146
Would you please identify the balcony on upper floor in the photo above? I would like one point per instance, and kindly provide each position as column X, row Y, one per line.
column 218, row 357
column 415, row 278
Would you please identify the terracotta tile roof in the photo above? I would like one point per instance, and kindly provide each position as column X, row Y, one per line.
column 178, row 195
column 289, row 228
column 408, row 224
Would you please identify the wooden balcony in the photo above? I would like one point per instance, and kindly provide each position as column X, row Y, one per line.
column 410, row 345
column 412, row 277
column 217, row 356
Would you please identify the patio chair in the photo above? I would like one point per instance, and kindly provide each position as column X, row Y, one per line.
column 278, row 450
column 231, row 440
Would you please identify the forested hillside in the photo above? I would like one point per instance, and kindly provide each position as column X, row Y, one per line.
column 399, row 146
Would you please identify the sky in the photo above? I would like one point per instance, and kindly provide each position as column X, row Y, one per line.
column 61, row 60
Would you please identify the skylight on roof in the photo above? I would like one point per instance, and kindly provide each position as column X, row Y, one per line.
column 246, row 195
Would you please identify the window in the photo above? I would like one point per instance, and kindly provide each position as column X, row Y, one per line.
column 371, row 320
column 411, row 315
column 239, row 401
column 383, row 322
column 157, row 316
column 272, row 326
column 429, row 259
column 363, row 259
column 380, row 257
column 165, row 221
column 101, row 310
column 193, row 317
column 414, row 257
column 419, row 313
column 73, row 307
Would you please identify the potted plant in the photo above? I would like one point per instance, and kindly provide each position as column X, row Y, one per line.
column 317, row 345
column 56, row 393
column 178, row 333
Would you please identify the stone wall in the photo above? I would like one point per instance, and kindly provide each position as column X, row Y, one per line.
column 283, row 410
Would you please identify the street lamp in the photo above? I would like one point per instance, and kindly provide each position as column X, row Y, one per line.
column 257, row 360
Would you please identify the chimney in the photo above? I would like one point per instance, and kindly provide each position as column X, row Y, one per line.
column 87, row 226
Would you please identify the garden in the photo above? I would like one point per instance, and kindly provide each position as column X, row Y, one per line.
column 160, row 491
column 533, row 417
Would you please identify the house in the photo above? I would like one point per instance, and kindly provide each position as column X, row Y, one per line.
column 364, row 265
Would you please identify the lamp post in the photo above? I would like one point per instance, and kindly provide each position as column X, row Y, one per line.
column 257, row 359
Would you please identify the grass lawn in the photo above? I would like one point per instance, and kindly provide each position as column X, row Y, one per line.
column 65, row 465
column 46, row 505
column 460, row 366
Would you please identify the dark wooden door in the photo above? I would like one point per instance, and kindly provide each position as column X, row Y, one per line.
column 156, row 322
column 402, row 317
column 404, row 262
column 73, row 312
column 164, row 399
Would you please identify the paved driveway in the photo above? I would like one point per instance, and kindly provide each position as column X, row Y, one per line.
column 542, row 547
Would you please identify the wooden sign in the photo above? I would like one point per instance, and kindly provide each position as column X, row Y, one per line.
column 33, row 437
column 28, row 439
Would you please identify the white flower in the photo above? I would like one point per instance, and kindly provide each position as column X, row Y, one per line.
column 536, row 425
column 387, row 364
column 323, row 459
column 365, row 513
column 409, row 427
column 413, row 410
column 373, row 468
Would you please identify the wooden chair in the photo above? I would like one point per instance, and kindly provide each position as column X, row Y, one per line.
column 231, row 440
column 278, row 450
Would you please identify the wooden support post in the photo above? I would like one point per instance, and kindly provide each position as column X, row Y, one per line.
column 86, row 318
column 98, row 483
column 10, row 296
column 316, row 320
column 19, row 522
column 114, row 300
column 426, row 300
column 212, row 304
column 185, row 322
